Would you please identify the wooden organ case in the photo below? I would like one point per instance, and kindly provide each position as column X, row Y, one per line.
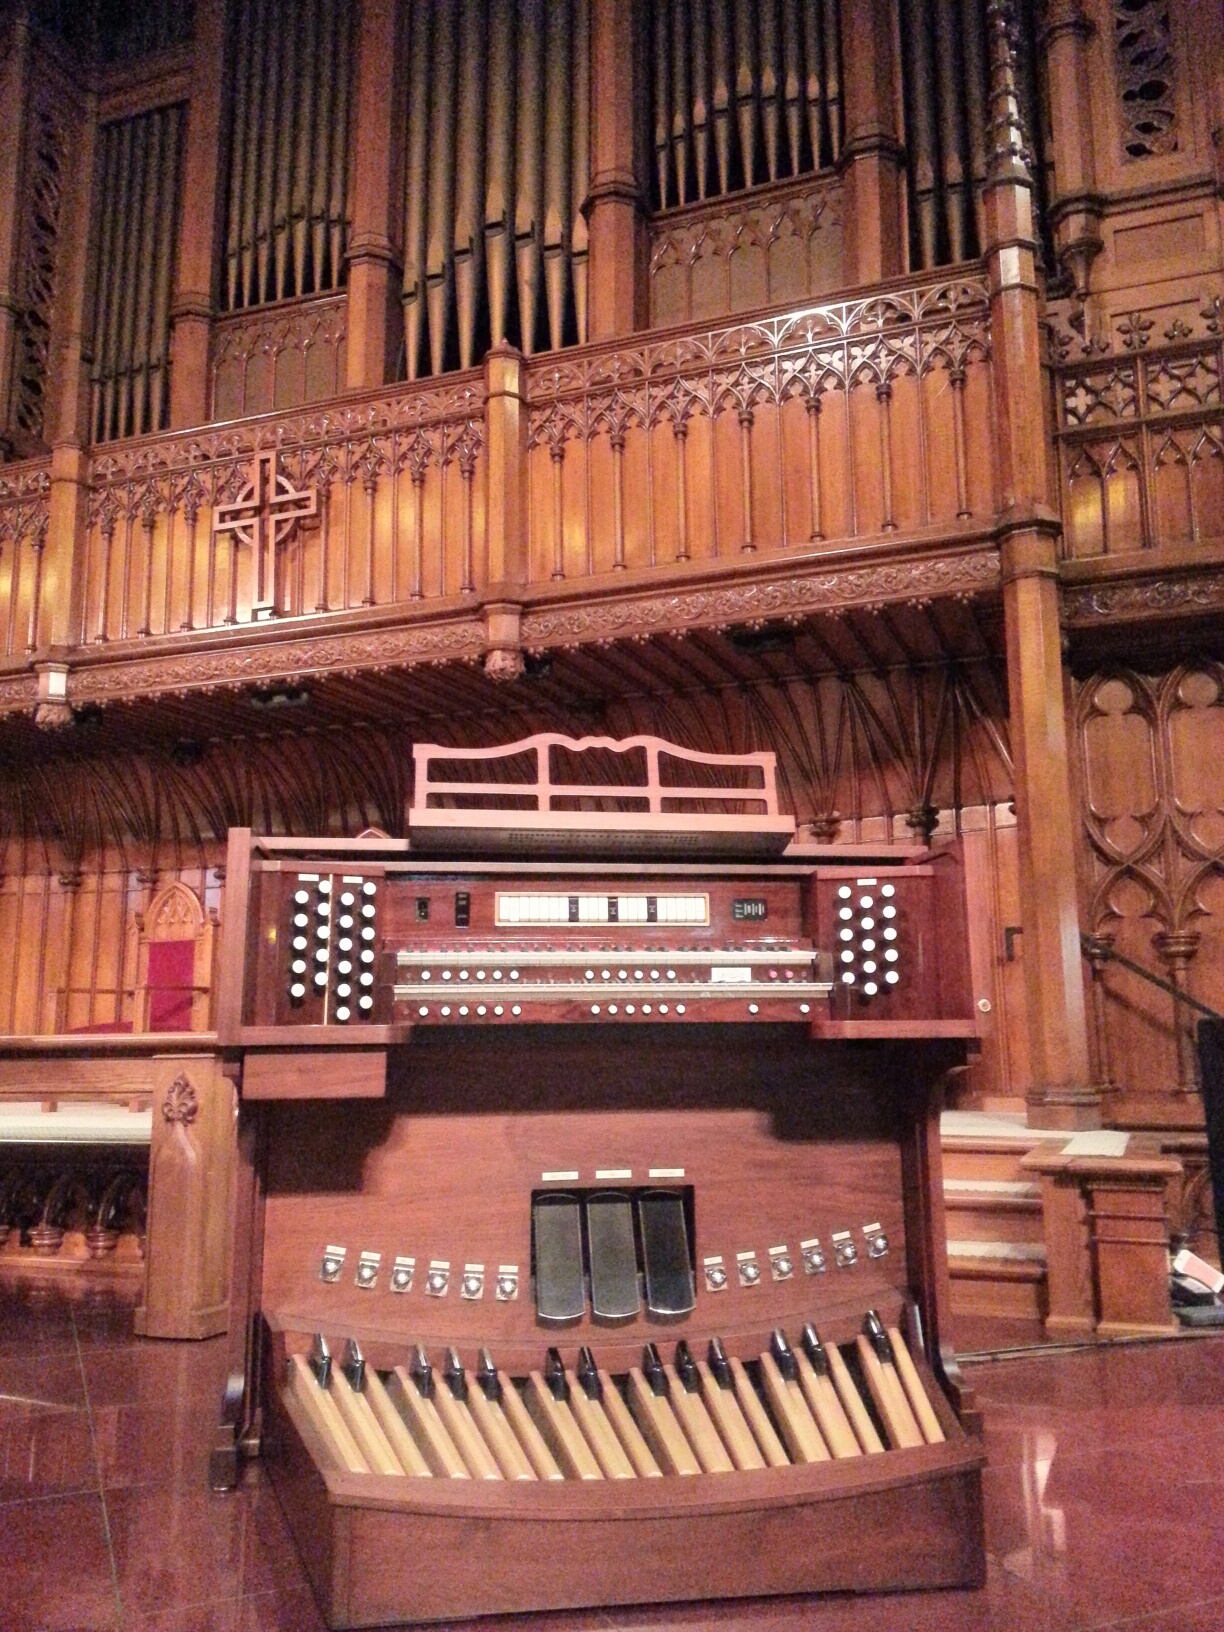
column 590, row 1246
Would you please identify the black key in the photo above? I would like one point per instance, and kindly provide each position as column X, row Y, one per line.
column 452, row 1374
column 321, row 1360
column 720, row 1366
column 814, row 1349
column 557, row 1230
column 652, row 1370
column 554, row 1375
column 421, row 1373
column 873, row 1327
column 588, row 1375
column 353, row 1365
column 784, row 1355
column 686, row 1369
column 486, row 1377
column 665, row 1253
column 613, row 1257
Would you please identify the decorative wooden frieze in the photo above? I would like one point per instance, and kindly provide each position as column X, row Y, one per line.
column 793, row 595
column 241, row 664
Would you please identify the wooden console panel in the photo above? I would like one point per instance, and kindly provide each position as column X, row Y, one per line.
column 561, row 1030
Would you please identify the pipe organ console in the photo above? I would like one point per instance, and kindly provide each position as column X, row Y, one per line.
column 589, row 1246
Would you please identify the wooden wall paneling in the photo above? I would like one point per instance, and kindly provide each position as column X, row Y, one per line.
column 997, row 1078
column 191, row 1166
column 1149, row 757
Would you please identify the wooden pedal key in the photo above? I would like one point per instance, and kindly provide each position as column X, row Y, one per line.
column 548, row 1399
column 453, row 1408
column 780, row 1374
column 348, row 1383
column 718, row 1392
column 651, row 1407
column 684, row 1390
column 822, row 1397
column 907, row 1371
column 412, row 1393
column 876, row 1358
column 529, row 1437
column 308, row 1385
column 486, row 1402
column 586, row 1401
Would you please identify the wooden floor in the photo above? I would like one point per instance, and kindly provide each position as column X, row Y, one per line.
column 1104, row 1497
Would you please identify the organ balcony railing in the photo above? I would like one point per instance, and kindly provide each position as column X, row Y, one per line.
column 693, row 453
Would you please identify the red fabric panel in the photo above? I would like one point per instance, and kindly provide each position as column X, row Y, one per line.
column 171, row 970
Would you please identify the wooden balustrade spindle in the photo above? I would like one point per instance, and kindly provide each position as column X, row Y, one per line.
column 746, row 420
column 558, row 460
column 191, row 514
column 38, row 544
column 680, row 428
column 108, row 545
column 467, row 472
column 148, row 519
column 884, row 398
column 958, row 442
column 618, row 501
column 125, row 575
column 813, row 417
column 369, row 483
column 1097, row 949
column 1176, row 950
column 418, row 529
column 323, row 604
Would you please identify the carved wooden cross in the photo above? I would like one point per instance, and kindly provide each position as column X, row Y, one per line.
column 263, row 516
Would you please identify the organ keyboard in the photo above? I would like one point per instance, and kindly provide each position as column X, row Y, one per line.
column 596, row 1204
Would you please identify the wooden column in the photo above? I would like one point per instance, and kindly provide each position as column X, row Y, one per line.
column 200, row 224
column 14, row 96
column 375, row 256
column 615, row 211
column 191, row 1166
column 68, row 400
column 1060, row 1092
column 871, row 211
column 1077, row 207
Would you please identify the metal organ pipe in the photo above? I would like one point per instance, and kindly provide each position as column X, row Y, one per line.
column 139, row 167
column 529, row 143
column 497, row 173
column 944, row 73
column 745, row 93
column 286, row 208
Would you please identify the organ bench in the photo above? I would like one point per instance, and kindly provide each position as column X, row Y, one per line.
column 589, row 1246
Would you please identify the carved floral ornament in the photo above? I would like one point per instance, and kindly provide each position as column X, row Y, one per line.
column 181, row 1106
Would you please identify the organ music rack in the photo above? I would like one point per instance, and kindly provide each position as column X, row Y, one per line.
column 557, row 1172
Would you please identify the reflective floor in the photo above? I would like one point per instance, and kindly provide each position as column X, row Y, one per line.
column 1104, row 1498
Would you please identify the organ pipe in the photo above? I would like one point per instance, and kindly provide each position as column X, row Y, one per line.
column 286, row 206
column 745, row 92
column 944, row 91
column 139, row 171
column 497, row 174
